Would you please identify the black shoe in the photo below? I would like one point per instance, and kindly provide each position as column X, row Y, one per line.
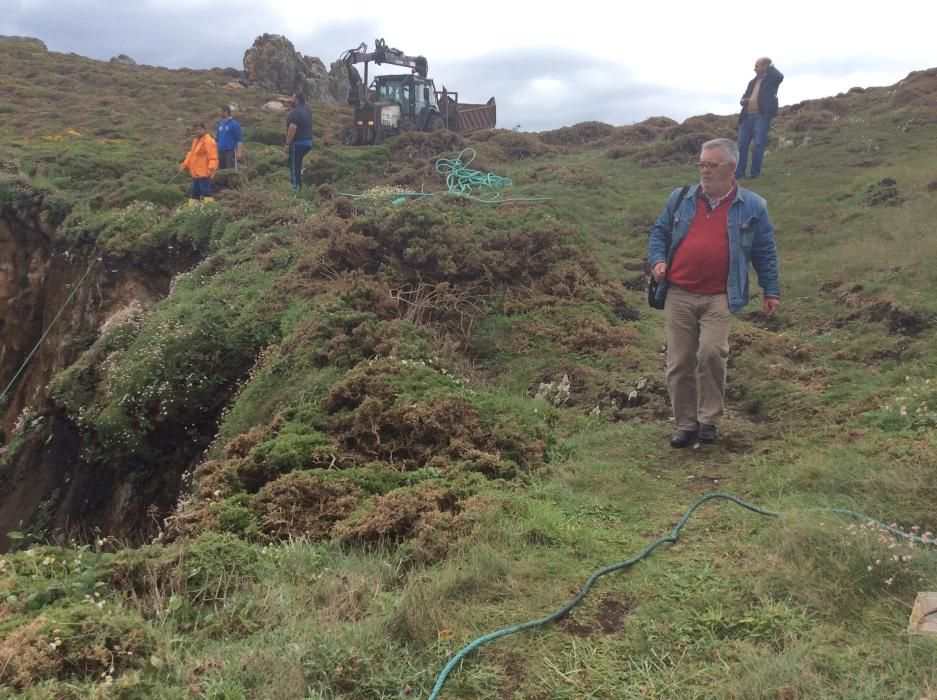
column 682, row 438
column 707, row 434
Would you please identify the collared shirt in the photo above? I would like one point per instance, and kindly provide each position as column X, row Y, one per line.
column 701, row 263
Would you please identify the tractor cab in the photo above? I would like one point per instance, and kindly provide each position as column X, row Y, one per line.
column 415, row 97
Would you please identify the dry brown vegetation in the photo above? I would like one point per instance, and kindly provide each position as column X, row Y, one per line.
column 304, row 505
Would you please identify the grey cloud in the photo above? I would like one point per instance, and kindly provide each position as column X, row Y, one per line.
column 593, row 90
column 186, row 36
column 192, row 35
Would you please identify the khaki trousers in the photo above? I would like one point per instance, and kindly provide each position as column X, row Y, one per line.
column 697, row 328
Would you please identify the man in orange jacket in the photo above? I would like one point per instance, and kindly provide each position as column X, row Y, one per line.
column 201, row 162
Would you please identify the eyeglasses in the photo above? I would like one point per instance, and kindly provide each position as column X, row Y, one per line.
column 709, row 165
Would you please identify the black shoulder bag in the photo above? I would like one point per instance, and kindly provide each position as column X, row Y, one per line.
column 652, row 284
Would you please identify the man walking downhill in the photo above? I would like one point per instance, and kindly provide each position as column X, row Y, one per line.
column 759, row 107
column 201, row 162
column 715, row 232
column 298, row 137
column 230, row 140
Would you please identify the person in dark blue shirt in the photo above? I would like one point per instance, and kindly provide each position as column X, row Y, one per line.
column 298, row 137
column 230, row 140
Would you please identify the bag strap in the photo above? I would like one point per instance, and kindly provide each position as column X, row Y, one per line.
column 673, row 213
column 686, row 188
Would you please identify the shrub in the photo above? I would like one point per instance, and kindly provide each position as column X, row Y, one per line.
column 303, row 504
column 85, row 641
column 396, row 515
column 509, row 146
column 265, row 135
column 580, row 134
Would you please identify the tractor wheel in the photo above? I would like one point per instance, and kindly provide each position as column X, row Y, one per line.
column 348, row 136
column 434, row 123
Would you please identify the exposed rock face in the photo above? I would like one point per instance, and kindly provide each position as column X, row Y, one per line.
column 339, row 85
column 316, row 84
column 37, row 275
column 36, row 278
column 273, row 63
column 123, row 59
column 27, row 260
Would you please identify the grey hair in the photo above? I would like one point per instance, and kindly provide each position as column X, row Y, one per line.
column 728, row 146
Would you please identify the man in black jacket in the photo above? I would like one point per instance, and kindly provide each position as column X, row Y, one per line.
column 759, row 106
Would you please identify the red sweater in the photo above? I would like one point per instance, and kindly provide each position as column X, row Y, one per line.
column 701, row 263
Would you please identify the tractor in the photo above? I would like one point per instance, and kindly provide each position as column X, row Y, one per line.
column 393, row 104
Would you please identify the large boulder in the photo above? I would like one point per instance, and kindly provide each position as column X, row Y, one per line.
column 316, row 84
column 338, row 80
column 327, row 85
column 273, row 63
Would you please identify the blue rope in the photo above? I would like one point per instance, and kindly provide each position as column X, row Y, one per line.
column 672, row 538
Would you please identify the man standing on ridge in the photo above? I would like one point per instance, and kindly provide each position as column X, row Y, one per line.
column 298, row 137
column 759, row 107
column 201, row 162
column 699, row 252
column 230, row 140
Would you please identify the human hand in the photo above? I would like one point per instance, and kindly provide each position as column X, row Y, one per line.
column 770, row 305
column 659, row 271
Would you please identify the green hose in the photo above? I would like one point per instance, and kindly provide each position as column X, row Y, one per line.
column 460, row 181
column 671, row 538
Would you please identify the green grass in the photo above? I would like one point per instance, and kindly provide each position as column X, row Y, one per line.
column 372, row 486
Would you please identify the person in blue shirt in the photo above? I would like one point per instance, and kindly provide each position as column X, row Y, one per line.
column 230, row 140
column 298, row 137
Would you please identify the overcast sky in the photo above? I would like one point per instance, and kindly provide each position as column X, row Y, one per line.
column 617, row 62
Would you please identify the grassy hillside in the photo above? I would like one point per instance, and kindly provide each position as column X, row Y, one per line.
column 351, row 389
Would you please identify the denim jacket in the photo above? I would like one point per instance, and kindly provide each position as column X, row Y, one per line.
column 751, row 241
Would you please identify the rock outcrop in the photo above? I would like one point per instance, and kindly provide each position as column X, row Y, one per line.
column 273, row 63
column 123, row 59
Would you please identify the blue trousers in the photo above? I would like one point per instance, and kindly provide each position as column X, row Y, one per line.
column 298, row 151
column 753, row 126
column 201, row 187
